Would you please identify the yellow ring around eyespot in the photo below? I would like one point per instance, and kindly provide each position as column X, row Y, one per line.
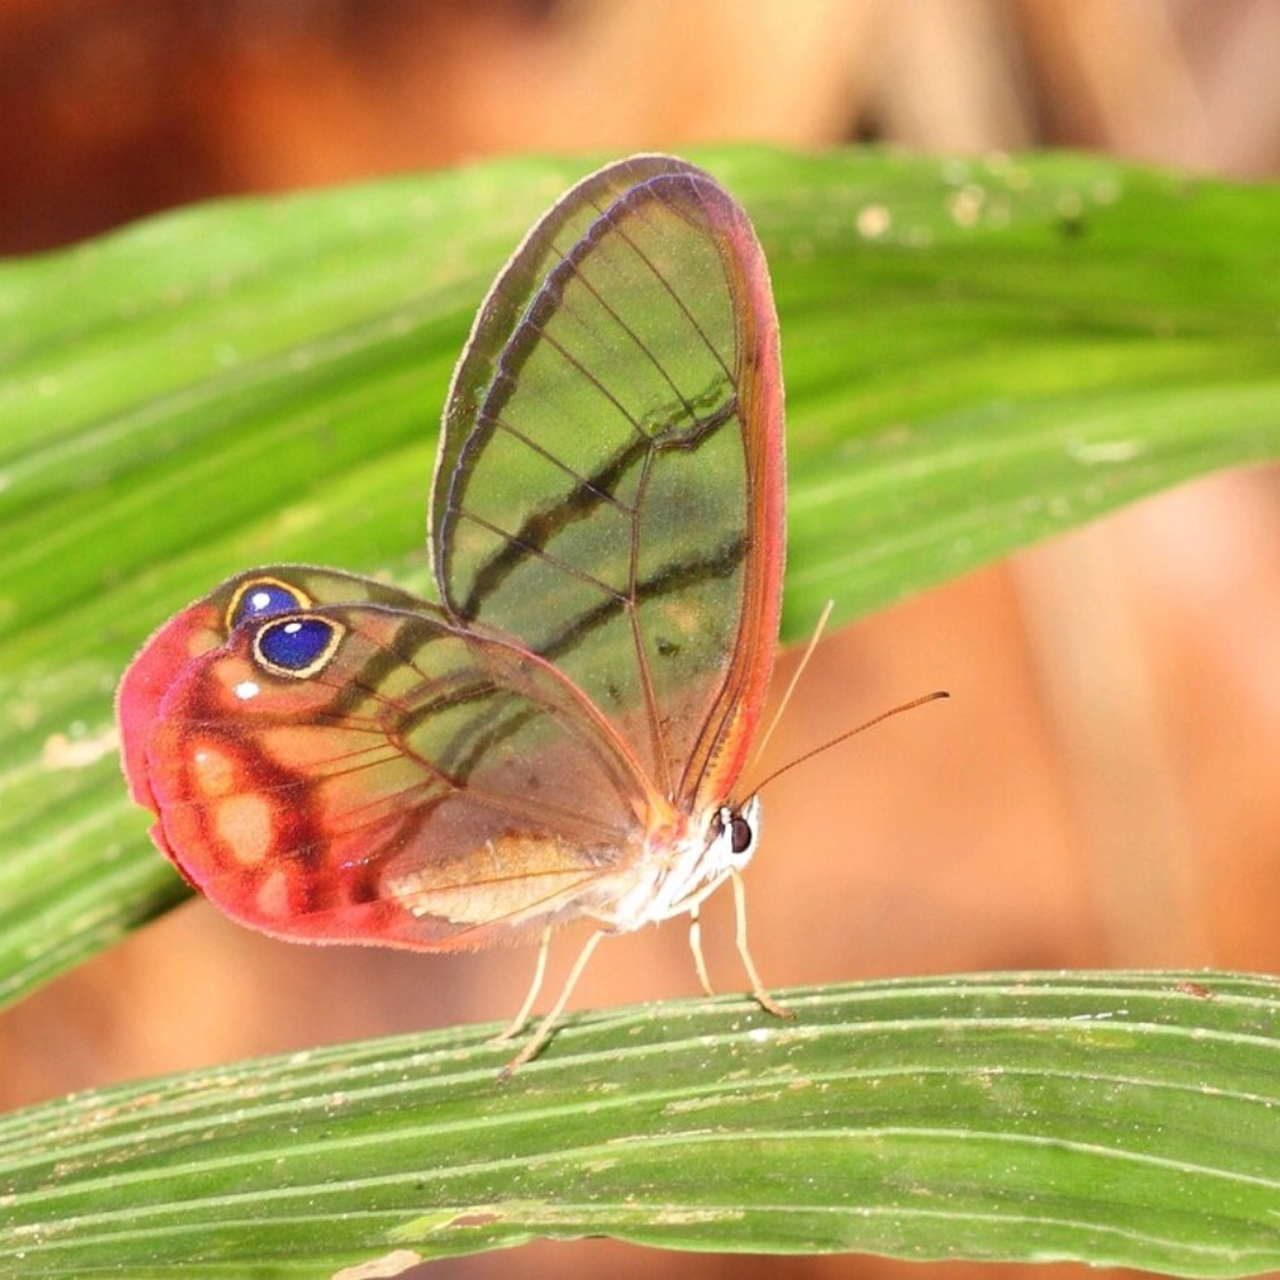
column 303, row 601
column 317, row 664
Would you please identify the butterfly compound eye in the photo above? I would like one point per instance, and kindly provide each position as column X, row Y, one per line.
column 737, row 829
column 298, row 647
column 263, row 598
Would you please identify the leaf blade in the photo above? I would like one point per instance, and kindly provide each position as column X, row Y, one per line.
column 978, row 355
column 1009, row 1117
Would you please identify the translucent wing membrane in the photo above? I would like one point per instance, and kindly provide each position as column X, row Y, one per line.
column 355, row 772
column 332, row 759
column 610, row 483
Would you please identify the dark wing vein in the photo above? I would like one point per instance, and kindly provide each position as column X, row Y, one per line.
column 674, row 294
column 584, row 482
column 541, row 526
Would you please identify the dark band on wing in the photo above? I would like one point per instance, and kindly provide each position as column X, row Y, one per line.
column 541, row 527
column 672, row 577
column 507, row 713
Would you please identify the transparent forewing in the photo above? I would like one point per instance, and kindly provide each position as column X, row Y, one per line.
column 610, row 481
column 372, row 774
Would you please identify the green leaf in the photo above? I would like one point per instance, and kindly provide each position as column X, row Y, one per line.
column 978, row 354
column 1126, row 1119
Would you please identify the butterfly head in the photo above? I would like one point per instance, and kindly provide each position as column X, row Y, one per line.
column 734, row 833
column 684, row 870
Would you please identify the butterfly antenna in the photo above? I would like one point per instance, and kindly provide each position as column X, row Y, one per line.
column 850, row 733
column 823, row 618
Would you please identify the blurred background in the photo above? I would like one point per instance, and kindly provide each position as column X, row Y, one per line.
column 1100, row 790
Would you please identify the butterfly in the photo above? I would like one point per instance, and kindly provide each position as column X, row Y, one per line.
column 331, row 759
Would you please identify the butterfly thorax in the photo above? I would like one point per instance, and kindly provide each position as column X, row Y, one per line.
column 685, row 860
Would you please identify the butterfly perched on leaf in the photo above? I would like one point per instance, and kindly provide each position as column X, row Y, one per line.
column 331, row 759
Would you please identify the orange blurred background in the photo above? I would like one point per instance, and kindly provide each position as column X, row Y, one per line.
column 1100, row 791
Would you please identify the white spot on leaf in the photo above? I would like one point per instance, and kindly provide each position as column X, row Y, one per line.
column 394, row 1263
column 64, row 752
column 1094, row 452
column 874, row 221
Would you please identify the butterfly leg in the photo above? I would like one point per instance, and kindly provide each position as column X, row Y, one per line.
column 521, row 1020
column 548, row 1023
column 759, row 994
column 695, row 945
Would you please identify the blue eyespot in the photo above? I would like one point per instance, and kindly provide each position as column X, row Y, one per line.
column 261, row 598
column 299, row 646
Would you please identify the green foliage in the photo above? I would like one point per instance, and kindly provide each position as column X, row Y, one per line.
column 978, row 354
column 1015, row 1116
